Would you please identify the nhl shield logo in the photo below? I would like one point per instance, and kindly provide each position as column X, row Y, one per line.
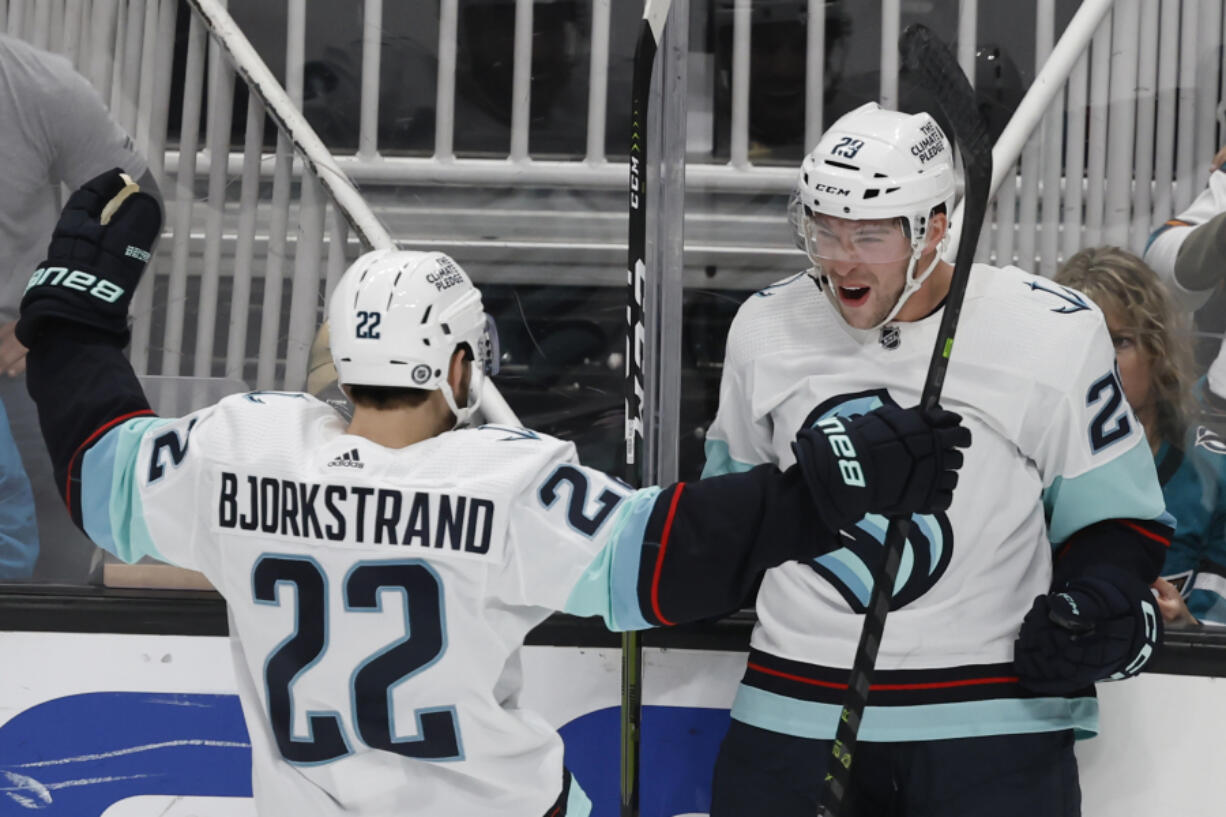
column 891, row 337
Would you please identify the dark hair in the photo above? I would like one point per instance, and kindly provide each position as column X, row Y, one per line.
column 384, row 398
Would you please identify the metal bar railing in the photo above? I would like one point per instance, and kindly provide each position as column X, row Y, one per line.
column 742, row 18
column 217, row 141
column 1121, row 121
column 1168, row 89
column 244, row 251
column 968, row 36
column 1208, row 65
column 1077, row 101
column 815, row 72
column 521, row 81
column 1185, row 128
column 184, row 200
column 891, row 22
column 1146, row 87
column 1049, row 155
column 598, row 84
column 372, row 59
column 444, row 105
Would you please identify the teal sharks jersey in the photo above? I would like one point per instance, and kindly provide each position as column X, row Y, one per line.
column 1194, row 485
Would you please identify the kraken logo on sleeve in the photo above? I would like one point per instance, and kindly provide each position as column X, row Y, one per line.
column 925, row 554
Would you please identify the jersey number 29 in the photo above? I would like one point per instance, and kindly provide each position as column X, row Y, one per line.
column 371, row 684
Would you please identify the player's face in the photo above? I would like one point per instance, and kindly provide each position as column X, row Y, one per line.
column 1133, row 360
column 866, row 262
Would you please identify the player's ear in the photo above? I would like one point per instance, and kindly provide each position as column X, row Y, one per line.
column 938, row 226
column 458, row 371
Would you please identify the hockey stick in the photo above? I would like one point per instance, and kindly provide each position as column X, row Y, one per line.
column 938, row 71
column 650, row 31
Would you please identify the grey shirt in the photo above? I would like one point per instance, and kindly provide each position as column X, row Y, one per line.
column 54, row 129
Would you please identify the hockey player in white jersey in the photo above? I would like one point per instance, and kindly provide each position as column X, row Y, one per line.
column 381, row 576
column 1008, row 606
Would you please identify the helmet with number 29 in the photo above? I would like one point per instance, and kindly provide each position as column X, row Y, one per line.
column 875, row 164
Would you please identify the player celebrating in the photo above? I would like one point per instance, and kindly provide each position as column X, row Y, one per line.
column 381, row 577
column 960, row 719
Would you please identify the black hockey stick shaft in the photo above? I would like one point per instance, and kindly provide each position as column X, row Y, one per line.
column 937, row 69
column 650, row 30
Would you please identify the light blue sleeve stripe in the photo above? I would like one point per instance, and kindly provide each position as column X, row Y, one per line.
column 720, row 461
column 609, row 586
column 888, row 724
column 1124, row 488
column 578, row 804
column 111, row 508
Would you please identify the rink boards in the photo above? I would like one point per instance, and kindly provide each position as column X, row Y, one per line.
column 148, row 726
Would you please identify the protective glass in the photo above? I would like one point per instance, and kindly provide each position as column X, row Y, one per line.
column 876, row 241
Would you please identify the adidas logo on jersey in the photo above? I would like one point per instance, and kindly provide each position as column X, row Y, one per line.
column 349, row 459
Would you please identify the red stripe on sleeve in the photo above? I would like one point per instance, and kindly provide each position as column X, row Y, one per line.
column 1149, row 534
column 105, row 427
column 655, row 578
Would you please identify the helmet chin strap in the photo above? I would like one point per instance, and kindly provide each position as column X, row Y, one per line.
column 464, row 415
column 911, row 286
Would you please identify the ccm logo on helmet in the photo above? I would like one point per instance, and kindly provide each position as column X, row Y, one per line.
column 930, row 145
column 447, row 276
column 849, row 466
column 834, row 191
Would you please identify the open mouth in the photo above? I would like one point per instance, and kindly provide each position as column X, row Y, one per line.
column 853, row 296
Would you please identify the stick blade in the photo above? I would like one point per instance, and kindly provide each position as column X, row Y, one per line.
column 935, row 66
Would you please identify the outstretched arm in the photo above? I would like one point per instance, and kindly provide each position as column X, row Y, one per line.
column 74, row 320
column 695, row 550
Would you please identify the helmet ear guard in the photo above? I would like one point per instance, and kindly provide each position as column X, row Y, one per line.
column 874, row 164
column 396, row 319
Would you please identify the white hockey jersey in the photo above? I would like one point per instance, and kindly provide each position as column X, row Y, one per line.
column 1055, row 448
column 378, row 599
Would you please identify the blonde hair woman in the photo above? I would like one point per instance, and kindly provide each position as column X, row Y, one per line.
column 1154, row 355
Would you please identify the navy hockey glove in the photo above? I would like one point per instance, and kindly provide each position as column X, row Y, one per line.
column 1093, row 629
column 890, row 461
column 98, row 251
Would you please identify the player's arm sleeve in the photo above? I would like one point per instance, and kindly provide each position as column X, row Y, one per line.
column 123, row 473
column 739, row 438
column 1207, row 596
column 1189, row 251
column 86, row 138
column 1101, row 494
column 588, row 546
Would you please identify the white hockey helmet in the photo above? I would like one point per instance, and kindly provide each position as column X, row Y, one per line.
column 878, row 164
column 397, row 316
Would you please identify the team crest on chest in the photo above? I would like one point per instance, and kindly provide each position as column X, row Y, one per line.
column 926, row 553
column 1210, row 441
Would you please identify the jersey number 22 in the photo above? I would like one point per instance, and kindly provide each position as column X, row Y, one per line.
column 371, row 684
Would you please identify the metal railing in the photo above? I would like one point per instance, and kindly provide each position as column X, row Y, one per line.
column 1118, row 149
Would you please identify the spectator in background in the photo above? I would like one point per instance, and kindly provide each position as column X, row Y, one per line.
column 54, row 130
column 18, row 530
column 1155, row 363
column 1188, row 253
